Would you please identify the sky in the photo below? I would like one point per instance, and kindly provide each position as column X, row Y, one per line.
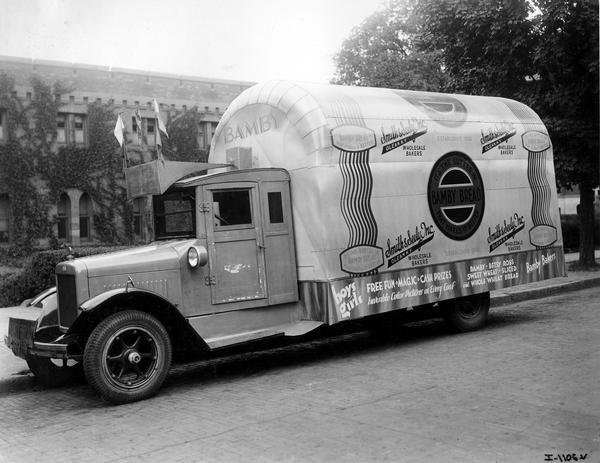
column 245, row 40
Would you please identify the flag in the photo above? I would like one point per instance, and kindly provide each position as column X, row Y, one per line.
column 138, row 123
column 119, row 128
column 161, row 124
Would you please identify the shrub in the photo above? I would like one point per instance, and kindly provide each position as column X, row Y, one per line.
column 570, row 232
column 38, row 273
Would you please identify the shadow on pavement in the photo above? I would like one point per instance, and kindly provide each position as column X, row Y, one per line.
column 267, row 356
column 323, row 349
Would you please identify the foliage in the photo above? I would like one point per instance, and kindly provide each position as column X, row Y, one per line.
column 17, row 169
column 182, row 143
column 566, row 90
column 382, row 53
column 467, row 46
column 485, row 45
column 38, row 273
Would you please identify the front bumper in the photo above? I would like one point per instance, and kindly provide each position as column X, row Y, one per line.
column 25, row 340
column 20, row 336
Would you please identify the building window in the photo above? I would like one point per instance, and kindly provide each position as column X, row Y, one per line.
column 78, row 128
column 84, row 217
column 63, row 212
column 150, row 127
column 137, row 217
column 4, row 218
column 70, row 128
column 61, row 128
column 137, row 129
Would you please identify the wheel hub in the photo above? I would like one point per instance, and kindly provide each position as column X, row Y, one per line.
column 134, row 357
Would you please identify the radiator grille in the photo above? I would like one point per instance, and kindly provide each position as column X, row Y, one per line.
column 67, row 299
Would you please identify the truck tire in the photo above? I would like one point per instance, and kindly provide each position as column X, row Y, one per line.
column 127, row 357
column 50, row 373
column 467, row 313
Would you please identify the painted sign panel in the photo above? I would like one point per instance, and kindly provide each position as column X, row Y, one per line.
column 360, row 297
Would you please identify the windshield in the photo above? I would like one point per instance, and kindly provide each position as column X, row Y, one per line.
column 175, row 215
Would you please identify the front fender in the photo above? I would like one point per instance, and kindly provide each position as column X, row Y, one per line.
column 115, row 294
column 94, row 310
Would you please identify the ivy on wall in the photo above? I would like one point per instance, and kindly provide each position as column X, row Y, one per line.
column 34, row 172
column 18, row 166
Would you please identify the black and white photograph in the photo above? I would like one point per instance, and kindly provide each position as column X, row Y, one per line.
column 299, row 231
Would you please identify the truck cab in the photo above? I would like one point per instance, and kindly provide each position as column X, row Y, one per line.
column 243, row 224
column 221, row 271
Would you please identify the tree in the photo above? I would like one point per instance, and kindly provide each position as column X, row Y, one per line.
column 566, row 97
column 381, row 53
column 485, row 45
column 541, row 52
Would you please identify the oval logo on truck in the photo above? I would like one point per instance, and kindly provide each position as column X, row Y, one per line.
column 535, row 141
column 353, row 138
column 456, row 196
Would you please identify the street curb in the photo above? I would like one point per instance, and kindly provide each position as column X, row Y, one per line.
column 501, row 299
column 17, row 382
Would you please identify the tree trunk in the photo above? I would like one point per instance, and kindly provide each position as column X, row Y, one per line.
column 586, row 224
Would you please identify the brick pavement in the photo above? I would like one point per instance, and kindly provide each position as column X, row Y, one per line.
column 523, row 387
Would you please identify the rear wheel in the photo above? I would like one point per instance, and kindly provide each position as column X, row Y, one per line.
column 54, row 372
column 127, row 357
column 467, row 313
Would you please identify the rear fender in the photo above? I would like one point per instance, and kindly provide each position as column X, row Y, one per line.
column 96, row 309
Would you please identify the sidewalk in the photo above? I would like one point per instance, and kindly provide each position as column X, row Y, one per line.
column 15, row 374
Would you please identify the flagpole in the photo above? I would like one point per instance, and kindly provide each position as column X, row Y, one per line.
column 156, row 129
column 159, row 153
column 124, row 153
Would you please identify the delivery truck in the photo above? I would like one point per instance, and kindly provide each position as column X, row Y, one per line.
column 320, row 205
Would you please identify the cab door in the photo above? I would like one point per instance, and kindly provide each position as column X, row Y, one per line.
column 235, row 242
column 278, row 235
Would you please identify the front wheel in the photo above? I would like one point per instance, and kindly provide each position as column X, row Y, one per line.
column 127, row 357
column 467, row 313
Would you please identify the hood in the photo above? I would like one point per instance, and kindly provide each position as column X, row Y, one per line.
column 152, row 258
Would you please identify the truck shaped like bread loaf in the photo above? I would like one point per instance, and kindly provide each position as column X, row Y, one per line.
column 321, row 204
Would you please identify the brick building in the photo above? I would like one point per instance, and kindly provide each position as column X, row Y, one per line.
column 125, row 91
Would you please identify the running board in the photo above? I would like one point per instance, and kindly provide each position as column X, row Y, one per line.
column 224, row 341
column 292, row 329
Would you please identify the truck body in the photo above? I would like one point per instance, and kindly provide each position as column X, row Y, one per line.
column 320, row 204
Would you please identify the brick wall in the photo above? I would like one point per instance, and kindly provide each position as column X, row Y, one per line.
column 92, row 82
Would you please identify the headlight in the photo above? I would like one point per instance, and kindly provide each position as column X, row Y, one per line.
column 197, row 256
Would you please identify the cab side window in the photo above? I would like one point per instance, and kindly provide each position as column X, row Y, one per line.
column 232, row 207
column 275, row 207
